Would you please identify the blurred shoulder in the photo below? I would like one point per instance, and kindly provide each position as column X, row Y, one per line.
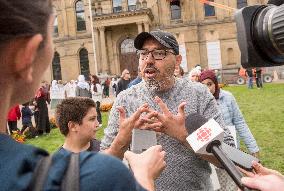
column 195, row 86
column 226, row 94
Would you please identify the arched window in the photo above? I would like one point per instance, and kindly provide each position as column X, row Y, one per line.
column 209, row 10
column 56, row 67
column 84, row 63
column 175, row 9
column 131, row 5
column 241, row 3
column 80, row 16
column 127, row 46
column 231, row 59
column 117, row 6
column 55, row 24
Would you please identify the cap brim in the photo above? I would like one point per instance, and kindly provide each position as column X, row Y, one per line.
column 140, row 39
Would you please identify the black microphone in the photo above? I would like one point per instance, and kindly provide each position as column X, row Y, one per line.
column 205, row 137
column 276, row 2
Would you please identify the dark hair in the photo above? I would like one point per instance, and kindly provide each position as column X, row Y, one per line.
column 95, row 80
column 23, row 18
column 210, row 74
column 181, row 71
column 72, row 109
column 26, row 104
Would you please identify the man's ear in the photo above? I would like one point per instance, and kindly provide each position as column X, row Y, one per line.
column 72, row 126
column 178, row 60
column 25, row 55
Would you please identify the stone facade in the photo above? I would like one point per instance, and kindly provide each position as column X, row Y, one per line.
column 116, row 23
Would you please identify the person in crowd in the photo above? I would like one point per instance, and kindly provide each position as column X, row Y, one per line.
column 137, row 80
column 158, row 53
column 106, row 85
column 233, row 117
column 26, row 117
column 77, row 121
column 194, row 75
column 179, row 72
column 60, row 84
column 70, row 89
column 57, row 93
column 26, row 49
column 249, row 74
column 97, row 96
column 123, row 81
column 14, row 115
column 83, row 87
column 258, row 78
column 198, row 67
column 112, row 88
column 42, row 119
column 46, row 89
column 54, row 94
column 218, row 76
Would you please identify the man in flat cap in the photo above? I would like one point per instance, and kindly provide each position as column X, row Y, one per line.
column 173, row 99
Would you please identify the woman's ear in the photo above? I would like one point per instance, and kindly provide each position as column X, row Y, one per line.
column 25, row 55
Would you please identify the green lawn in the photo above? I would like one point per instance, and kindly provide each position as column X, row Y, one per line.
column 263, row 110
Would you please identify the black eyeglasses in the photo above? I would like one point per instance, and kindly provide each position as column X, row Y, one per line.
column 158, row 54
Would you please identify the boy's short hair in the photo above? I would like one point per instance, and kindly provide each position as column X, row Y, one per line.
column 72, row 109
column 26, row 104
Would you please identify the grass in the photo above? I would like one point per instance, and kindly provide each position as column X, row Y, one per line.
column 263, row 110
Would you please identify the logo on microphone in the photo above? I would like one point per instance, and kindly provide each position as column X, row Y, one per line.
column 204, row 134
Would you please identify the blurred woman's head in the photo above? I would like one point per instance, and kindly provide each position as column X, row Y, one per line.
column 125, row 74
column 95, row 79
column 209, row 79
column 26, row 46
column 194, row 75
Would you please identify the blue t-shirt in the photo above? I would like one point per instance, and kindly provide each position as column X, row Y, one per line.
column 97, row 171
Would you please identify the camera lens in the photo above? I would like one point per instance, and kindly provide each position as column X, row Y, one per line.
column 268, row 33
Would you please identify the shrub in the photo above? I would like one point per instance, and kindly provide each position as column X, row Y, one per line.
column 52, row 123
column 18, row 136
column 105, row 107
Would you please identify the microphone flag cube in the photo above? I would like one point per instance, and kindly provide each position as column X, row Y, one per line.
column 207, row 133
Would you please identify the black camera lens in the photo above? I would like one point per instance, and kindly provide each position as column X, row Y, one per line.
column 268, row 33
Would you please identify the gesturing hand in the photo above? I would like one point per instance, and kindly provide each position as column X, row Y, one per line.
column 136, row 120
column 122, row 141
column 172, row 125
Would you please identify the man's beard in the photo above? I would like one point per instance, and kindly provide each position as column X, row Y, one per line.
column 161, row 81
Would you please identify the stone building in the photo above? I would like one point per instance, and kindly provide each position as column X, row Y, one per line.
column 207, row 35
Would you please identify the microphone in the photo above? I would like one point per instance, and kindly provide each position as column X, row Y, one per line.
column 239, row 158
column 206, row 138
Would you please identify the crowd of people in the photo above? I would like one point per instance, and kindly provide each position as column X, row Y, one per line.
column 160, row 103
column 54, row 94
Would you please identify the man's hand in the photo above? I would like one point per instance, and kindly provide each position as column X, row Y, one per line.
column 263, row 179
column 147, row 166
column 136, row 120
column 122, row 141
column 172, row 125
